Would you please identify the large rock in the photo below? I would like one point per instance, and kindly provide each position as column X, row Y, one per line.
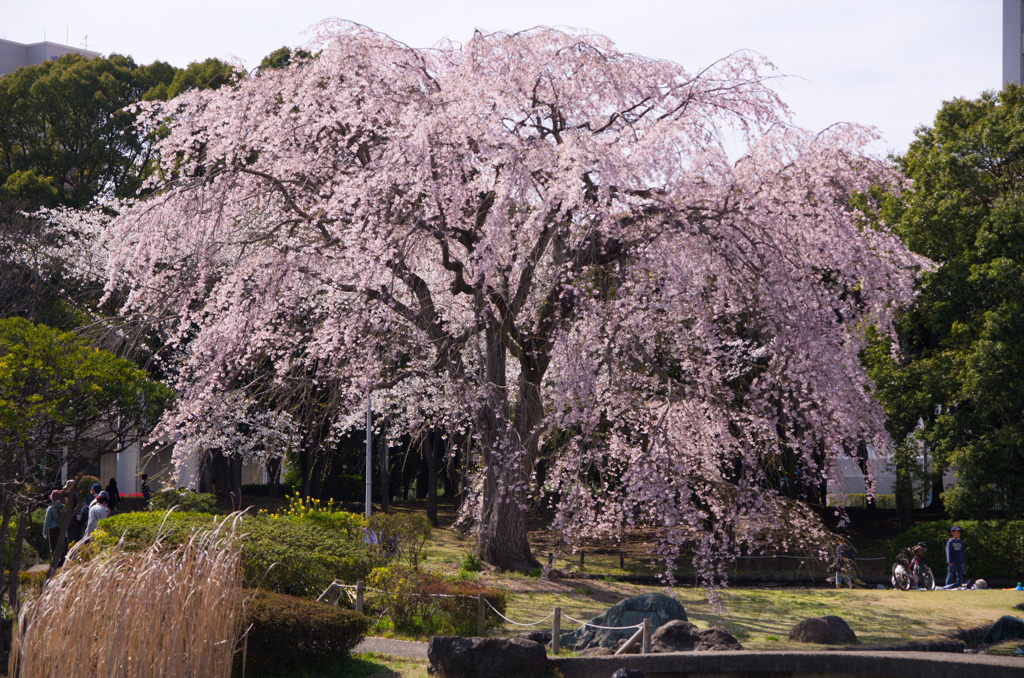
column 822, row 630
column 455, row 657
column 716, row 640
column 1005, row 628
column 675, row 636
column 657, row 607
column 681, row 636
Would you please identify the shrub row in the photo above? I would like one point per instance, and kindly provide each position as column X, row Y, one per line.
column 994, row 548
column 184, row 500
column 299, row 556
column 288, row 632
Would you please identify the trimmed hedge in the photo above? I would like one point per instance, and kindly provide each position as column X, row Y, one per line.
column 300, row 556
column 132, row 502
column 994, row 548
column 289, row 632
column 184, row 501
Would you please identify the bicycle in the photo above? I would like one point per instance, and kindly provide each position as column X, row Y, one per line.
column 909, row 570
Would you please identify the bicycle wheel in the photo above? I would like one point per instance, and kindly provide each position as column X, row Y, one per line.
column 900, row 577
column 927, row 579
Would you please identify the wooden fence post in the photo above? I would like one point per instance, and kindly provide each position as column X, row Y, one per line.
column 646, row 649
column 556, row 630
column 481, row 615
column 359, row 596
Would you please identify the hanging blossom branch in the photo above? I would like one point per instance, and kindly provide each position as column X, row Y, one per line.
column 530, row 236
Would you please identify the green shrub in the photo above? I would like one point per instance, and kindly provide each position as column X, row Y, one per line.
column 994, row 548
column 457, row 603
column 34, row 533
column 470, row 563
column 394, row 589
column 420, row 603
column 295, row 555
column 288, row 632
column 29, row 553
column 30, row 581
column 184, row 501
column 401, row 536
column 138, row 530
column 84, row 482
column 302, row 558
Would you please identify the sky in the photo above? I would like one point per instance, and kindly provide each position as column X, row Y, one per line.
column 885, row 63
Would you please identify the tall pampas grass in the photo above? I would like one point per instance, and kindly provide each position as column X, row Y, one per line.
column 151, row 614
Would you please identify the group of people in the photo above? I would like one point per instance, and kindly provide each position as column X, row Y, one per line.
column 101, row 504
column 955, row 558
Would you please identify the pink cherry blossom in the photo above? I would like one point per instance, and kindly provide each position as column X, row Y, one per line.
column 540, row 243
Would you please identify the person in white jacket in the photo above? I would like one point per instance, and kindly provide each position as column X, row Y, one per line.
column 97, row 512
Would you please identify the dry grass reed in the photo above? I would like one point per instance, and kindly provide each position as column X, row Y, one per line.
column 158, row 613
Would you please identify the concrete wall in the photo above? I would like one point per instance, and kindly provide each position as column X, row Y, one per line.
column 824, row 664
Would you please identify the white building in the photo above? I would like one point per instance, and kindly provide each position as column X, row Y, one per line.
column 14, row 55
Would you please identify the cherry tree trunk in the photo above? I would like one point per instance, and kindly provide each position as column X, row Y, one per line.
column 507, row 466
column 431, row 447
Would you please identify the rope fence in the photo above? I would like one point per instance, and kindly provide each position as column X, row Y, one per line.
column 355, row 593
column 332, row 595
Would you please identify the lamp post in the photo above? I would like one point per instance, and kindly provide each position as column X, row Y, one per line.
column 369, row 449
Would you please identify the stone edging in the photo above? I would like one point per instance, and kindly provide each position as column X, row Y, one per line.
column 742, row 664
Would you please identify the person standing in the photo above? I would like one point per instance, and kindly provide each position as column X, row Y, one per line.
column 113, row 494
column 76, row 503
column 51, row 523
column 146, row 491
column 97, row 512
column 845, row 560
column 955, row 557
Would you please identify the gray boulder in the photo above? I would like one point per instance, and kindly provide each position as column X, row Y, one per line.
column 657, row 607
column 455, row 657
column 1005, row 628
column 822, row 630
column 717, row 640
column 675, row 636
column 542, row 637
column 680, row 636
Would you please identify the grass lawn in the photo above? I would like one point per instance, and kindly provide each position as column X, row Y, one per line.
column 760, row 618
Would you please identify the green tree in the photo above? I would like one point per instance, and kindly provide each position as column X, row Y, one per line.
column 66, row 135
column 57, row 395
column 64, row 120
column 956, row 391
column 206, row 74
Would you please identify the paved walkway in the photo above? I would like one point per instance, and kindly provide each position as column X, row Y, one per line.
column 392, row 647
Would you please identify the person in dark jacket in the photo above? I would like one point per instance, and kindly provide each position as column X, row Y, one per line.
column 955, row 559
column 113, row 496
column 51, row 523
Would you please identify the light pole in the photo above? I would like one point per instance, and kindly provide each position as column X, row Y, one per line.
column 369, row 449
